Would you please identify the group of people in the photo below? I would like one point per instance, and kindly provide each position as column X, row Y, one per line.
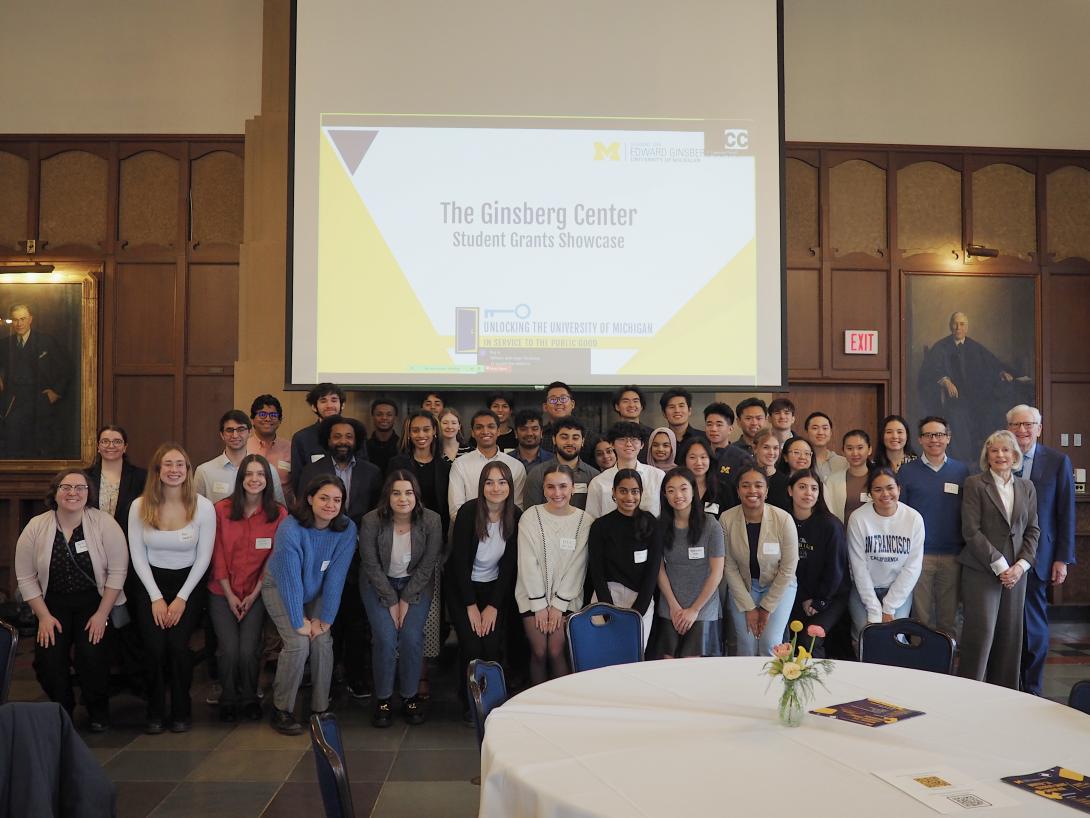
column 364, row 550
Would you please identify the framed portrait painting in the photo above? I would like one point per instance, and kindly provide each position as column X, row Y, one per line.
column 48, row 369
column 970, row 352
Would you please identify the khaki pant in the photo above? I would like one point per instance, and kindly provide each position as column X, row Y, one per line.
column 935, row 598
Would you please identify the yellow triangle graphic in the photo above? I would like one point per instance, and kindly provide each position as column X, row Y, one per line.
column 721, row 310
column 361, row 327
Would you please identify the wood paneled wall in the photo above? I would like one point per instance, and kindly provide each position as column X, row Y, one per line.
column 160, row 220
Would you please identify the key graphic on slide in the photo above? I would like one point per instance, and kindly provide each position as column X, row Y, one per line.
column 522, row 312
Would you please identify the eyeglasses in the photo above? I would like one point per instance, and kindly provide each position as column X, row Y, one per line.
column 267, row 415
column 111, row 444
column 1024, row 424
column 68, row 488
column 934, row 435
column 235, row 430
column 559, row 400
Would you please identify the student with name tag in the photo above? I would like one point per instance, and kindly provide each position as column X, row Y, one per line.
column 846, row 490
column 70, row 563
column 569, row 436
column 552, row 566
column 266, row 414
column 885, row 551
column 625, row 551
column 215, row 478
column 172, row 530
column 759, row 583
column 1000, row 525
column 687, row 614
column 302, row 589
column 715, row 491
column 246, row 524
column 627, row 440
column 932, row 485
column 401, row 550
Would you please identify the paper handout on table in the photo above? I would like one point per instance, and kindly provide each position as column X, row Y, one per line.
column 867, row 712
column 946, row 790
column 1056, row 784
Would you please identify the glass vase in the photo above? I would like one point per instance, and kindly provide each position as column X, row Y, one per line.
column 792, row 707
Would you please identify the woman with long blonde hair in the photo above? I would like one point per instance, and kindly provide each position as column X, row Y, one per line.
column 171, row 533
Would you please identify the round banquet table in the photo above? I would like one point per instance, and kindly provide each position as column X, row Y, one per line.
column 702, row 737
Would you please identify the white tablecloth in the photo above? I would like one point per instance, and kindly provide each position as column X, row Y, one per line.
column 701, row 737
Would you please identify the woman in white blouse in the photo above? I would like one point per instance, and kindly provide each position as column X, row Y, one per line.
column 172, row 530
column 552, row 565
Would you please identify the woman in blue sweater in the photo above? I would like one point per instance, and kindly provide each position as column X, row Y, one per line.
column 302, row 592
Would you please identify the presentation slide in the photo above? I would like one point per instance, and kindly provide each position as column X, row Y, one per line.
column 435, row 247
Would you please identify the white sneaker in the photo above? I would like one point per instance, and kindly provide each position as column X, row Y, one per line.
column 215, row 690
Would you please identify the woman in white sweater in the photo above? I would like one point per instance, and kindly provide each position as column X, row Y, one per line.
column 171, row 533
column 552, row 565
column 885, row 549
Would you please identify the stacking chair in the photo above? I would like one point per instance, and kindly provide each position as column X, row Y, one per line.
column 325, row 740
column 601, row 635
column 9, row 639
column 1080, row 696
column 487, row 690
column 906, row 643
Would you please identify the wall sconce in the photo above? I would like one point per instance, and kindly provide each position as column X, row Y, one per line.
column 981, row 251
column 26, row 268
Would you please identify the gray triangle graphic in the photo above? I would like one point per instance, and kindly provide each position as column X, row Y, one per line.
column 352, row 145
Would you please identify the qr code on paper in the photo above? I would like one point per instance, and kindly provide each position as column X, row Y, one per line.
column 969, row 801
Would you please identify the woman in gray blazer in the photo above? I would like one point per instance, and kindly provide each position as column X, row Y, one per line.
column 999, row 523
column 400, row 552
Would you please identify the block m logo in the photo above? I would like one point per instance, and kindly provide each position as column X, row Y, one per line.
column 612, row 151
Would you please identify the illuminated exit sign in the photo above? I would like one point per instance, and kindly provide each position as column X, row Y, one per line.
column 860, row 342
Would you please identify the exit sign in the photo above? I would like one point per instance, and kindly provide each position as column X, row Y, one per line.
column 860, row 342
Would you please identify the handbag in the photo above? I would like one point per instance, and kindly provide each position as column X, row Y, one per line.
column 119, row 614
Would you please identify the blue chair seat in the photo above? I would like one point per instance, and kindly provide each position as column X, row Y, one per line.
column 1080, row 696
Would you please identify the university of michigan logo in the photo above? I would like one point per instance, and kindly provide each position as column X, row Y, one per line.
column 612, row 151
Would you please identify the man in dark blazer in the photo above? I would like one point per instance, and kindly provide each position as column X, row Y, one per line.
column 35, row 372
column 342, row 439
column 1050, row 472
column 959, row 380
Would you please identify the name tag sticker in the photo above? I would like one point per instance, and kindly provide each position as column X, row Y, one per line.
column 567, row 543
column 696, row 552
column 81, row 547
column 284, row 465
column 186, row 535
column 951, row 488
column 711, row 508
column 219, row 487
column 639, row 556
column 316, row 457
column 263, row 543
column 325, row 564
column 770, row 549
column 864, row 497
column 580, row 488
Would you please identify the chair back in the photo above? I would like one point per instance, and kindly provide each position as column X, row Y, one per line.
column 906, row 643
column 487, row 690
column 325, row 740
column 1080, row 696
column 9, row 640
column 602, row 635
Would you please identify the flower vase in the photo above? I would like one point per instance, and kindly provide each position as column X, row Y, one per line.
column 792, row 707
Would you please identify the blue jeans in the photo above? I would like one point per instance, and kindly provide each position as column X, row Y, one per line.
column 746, row 643
column 393, row 649
column 859, row 611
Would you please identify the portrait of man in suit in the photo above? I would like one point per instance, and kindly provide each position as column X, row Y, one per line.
column 36, row 382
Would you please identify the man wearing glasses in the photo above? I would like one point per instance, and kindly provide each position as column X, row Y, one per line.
column 267, row 414
column 1050, row 472
column 559, row 403
column 215, row 479
column 627, row 440
column 933, row 485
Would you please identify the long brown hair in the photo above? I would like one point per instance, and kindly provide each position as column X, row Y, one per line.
column 507, row 512
column 384, row 511
column 153, row 487
column 268, row 494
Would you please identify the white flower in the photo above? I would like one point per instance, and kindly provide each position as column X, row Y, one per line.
column 791, row 671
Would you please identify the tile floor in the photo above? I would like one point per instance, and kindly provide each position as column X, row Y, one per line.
column 243, row 770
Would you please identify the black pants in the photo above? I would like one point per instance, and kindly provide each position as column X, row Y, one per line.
column 470, row 645
column 169, row 645
column 52, row 664
column 350, row 631
column 827, row 619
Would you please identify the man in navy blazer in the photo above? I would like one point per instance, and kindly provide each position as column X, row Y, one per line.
column 1050, row 472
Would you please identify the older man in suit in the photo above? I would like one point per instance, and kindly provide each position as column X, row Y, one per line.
column 1050, row 472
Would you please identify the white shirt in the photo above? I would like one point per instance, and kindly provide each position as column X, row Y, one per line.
column 933, row 467
column 187, row 547
column 486, row 563
column 1006, row 497
column 600, row 491
column 465, row 475
column 401, row 555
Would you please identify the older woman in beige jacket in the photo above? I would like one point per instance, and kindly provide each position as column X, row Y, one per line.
column 999, row 523
column 70, row 563
column 759, row 573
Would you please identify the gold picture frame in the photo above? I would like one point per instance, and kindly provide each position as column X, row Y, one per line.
column 64, row 324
